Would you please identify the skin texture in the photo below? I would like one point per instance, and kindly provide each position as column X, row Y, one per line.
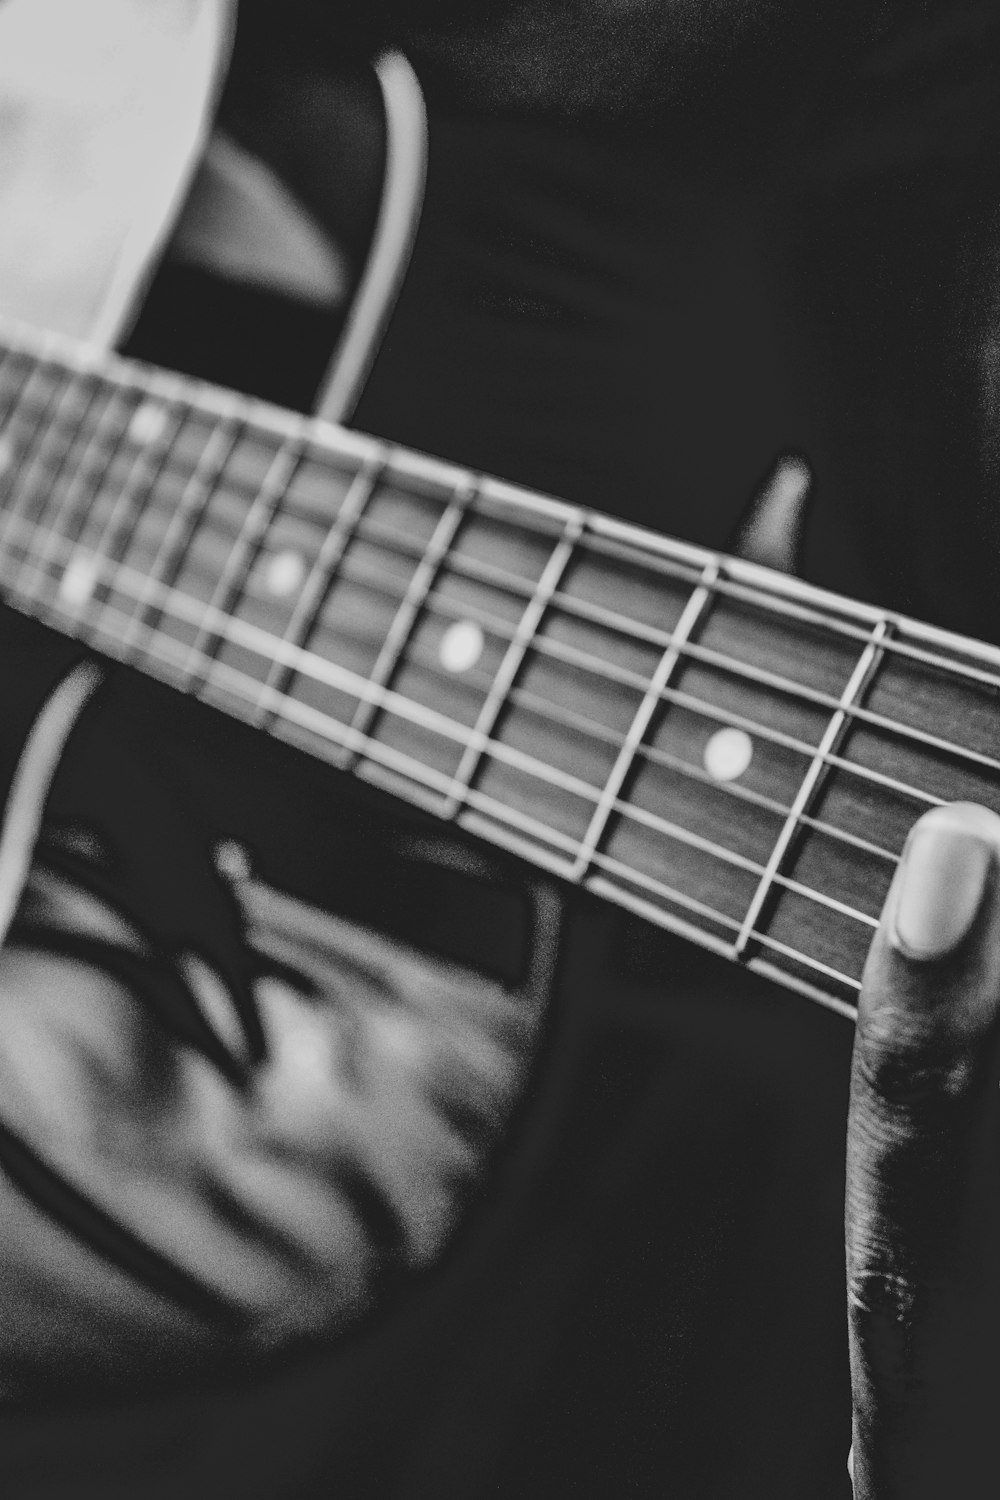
column 923, row 1207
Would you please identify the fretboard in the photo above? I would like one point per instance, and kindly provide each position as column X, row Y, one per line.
column 728, row 752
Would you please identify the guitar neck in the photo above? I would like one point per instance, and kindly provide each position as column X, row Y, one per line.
column 729, row 752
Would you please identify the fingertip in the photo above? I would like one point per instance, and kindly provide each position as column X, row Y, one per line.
column 943, row 879
column 970, row 818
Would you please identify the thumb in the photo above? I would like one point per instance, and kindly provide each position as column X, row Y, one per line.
column 923, row 1173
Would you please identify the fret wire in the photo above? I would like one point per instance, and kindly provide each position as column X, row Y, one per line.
column 567, row 718
column 171, row 653
column 779, row 683
column 362, row 745
column 557, row 715
column 894, row 646
column 655, row 755
column 414, row 599
column 897, row 647
column 859, row 680
column 417, row 713
column 98, row 447
column 232, row 579
column 44, row 434
column 14, row 414
column 136, row 489
column 879, row 721
column 339, row 443
column 326, row 567
column 726, row 586
column 687, row 573
column 775, row 602
column 525, row 633
column 52, row 472
column 622, row 625
column 173, row 545
column 789, row 609
column 298, row 659
column 150, row 458
column 476, row 568
column 559, row 651
column 573, row 656
column 613, row 620
column 682, row 835
column 243, row 633
column 499, row 812
column 541, row 771
column 653, row 697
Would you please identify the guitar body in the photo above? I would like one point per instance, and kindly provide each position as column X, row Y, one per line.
column 649, row 1300
column 105, row 112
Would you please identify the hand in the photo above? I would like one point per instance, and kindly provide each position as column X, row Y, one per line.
column 923, row 1174
column 178, row 1217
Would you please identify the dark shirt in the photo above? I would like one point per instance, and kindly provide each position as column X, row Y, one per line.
column 642, row 316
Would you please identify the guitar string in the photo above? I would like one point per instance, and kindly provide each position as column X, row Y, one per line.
column 196, row 489
column 780, row 685
column 44, row 432
column 563, row 653
column 621, row 625
column 825, row 619
column 340, row 445
column 332, row 442
column 501, row 812
column 597, row 731
column 568, row 718
column 53, row 502
column 662, row 639
column 99, row 449
column 762, row 731
column 550, row 649
column 637, row 682
column 124, row 581
column 589, row 662
column 150, row 460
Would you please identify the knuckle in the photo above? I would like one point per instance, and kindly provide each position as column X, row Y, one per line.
column 879, row 1296
column 911, row 1063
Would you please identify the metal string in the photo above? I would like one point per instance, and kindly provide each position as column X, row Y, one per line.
column 175, row 604
column 339, row 444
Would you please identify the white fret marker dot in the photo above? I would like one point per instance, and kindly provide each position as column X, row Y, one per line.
column 284, row 574
column 147, row 424
column 79, row 580
column 6, row 455
column 728, row 754
column 461, row 646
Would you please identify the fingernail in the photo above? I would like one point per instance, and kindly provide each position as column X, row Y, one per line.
column 942, row 883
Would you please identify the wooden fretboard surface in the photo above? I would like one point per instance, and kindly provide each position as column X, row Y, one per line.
column 729, row 752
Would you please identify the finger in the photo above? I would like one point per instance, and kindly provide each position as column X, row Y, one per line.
column 923, row 1184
